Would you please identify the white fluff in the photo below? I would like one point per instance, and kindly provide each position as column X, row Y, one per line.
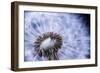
column 47, row 43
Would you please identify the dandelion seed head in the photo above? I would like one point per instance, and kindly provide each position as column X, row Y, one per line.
column 54, row 35
column 48, row 44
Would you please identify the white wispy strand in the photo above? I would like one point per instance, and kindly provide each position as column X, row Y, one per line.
column 70, row 26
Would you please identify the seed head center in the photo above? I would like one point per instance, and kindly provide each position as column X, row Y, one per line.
column 47, row 43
